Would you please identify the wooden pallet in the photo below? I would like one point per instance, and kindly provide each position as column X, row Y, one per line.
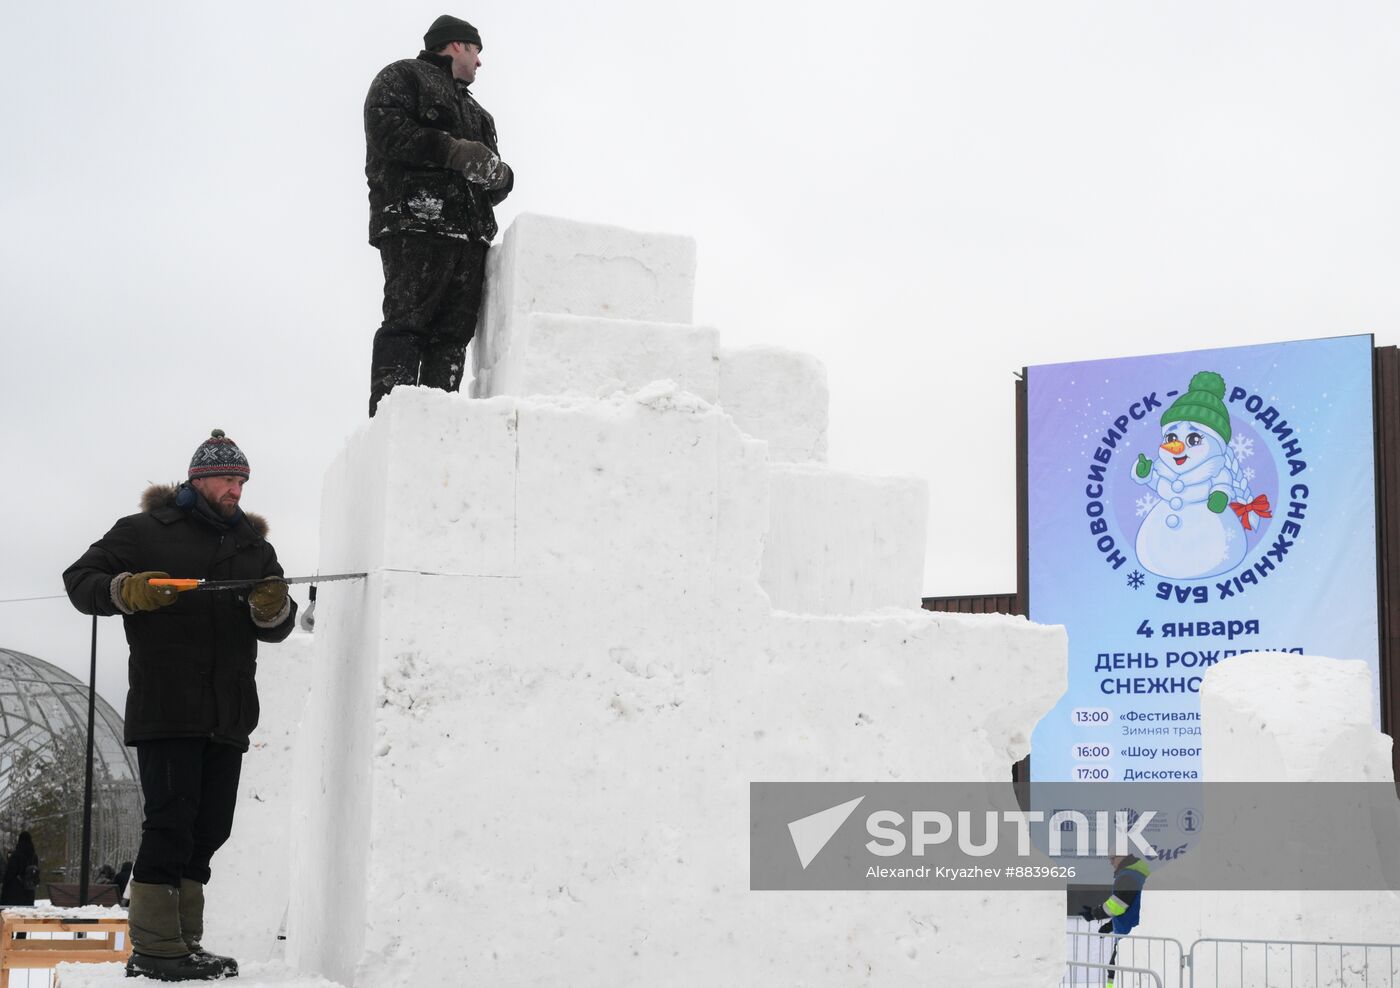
column 99, row 943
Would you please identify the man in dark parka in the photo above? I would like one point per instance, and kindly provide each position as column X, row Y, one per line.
column 434, row 175
column 192, row 699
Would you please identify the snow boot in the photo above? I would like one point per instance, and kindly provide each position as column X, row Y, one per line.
column 192, row 925
column 158, row 950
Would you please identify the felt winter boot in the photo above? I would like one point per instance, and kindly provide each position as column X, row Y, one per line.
column 158, row 950
column 192, row 925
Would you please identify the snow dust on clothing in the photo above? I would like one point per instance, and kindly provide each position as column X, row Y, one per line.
column 192, row 665
column 431, row 224
column 414, row 112
column 432, row 296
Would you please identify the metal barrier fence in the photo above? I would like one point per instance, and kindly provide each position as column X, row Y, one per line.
column 1124, row 977
column 1220, row 962
column 1163, row 956
column 1216, row 962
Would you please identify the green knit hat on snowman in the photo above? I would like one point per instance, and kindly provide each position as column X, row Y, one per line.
column 1203, row 402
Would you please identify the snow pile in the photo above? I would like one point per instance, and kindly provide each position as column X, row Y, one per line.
column 1278, row 717
column 531, row 731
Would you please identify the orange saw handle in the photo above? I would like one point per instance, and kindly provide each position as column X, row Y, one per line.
column 180, row 585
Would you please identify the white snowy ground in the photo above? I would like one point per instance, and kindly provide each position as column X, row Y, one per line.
column 268, row 975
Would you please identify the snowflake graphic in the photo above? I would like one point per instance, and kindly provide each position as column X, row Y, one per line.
column 1243, row 447
column 1145, row 504
column 1136, row 580
column 1249, row 474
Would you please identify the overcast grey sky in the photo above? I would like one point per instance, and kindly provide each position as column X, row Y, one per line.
column 927, row 196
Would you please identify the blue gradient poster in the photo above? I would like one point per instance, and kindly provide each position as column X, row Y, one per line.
column 1185, row 508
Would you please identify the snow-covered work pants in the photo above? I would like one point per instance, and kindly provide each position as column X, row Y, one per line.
column 189, row 787
column 432, row 294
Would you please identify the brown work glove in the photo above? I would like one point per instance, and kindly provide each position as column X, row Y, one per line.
column 137, row 594
column 267, row 600
column 477, row 162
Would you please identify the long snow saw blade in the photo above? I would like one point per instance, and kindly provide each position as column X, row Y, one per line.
column 182, row 585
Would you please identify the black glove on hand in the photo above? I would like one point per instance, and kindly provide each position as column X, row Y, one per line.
column 267, row 599
column 138, row 595
column 476, row 161
column 1088, row 913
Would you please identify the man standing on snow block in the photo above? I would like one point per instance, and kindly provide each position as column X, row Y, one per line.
column 192, row 701
column 434, row 177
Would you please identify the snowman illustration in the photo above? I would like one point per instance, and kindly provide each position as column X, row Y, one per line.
column 1188, row 534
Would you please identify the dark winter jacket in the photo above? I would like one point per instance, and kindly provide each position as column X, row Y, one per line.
column 414, row 110
column 192, row 662
column 21, row 874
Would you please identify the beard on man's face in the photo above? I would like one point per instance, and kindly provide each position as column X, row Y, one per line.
column 225, row 506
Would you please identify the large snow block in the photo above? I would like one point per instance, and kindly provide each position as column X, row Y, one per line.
column 253, row 866
column 778, row 395
column 839, row 543
column 571, row 802
column 1285, row 718
column 957, row 664
column 427, row 485
column 551, row 354
column 625, row 484
column 542, row 776
column 1311, row 724
column 547, row 264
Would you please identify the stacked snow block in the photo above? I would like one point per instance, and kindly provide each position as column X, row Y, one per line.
column 591, row 311
column 842, row 543
column 780, row 395
column 531, row 731
column 595, row 309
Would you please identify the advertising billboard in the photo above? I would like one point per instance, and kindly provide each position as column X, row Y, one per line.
column 1185, row 508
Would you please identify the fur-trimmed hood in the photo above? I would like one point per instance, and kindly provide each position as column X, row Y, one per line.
column 159, row 496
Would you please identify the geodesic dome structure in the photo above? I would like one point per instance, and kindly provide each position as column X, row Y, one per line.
column 43, row 750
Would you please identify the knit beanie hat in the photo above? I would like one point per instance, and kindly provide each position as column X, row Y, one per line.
column 448, row 28
column 1203, row 402
column 218, row 456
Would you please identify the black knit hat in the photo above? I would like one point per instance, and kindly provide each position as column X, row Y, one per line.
column 448, row 28
column 218, row 456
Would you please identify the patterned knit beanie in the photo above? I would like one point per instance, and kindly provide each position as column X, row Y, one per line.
column 1203, row 402
column 218, row 456
column 448, row 28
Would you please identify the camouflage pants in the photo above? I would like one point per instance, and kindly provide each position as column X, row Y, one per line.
column 432, row 293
